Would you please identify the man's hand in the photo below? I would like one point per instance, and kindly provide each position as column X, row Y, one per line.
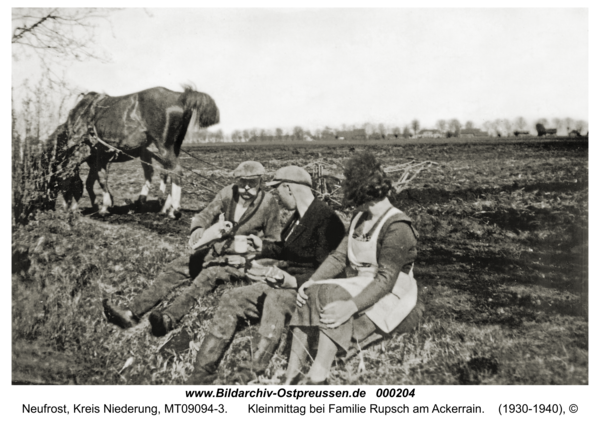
column 281, row 279
column 337, row 313
column 195, row 236
column 301, row 297
column 255, row 242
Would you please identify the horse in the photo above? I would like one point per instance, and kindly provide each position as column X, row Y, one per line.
column 150, row 125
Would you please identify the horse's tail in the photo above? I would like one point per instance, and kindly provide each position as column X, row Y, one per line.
column 207, row 112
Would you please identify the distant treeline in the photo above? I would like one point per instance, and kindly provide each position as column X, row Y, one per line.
column 518, row 127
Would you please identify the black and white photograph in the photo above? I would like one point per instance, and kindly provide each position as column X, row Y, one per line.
column 392, row 197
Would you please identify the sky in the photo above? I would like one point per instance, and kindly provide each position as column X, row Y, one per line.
column 269, row 68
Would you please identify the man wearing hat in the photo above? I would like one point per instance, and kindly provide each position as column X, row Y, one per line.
column 313, row 231
column 248, row 211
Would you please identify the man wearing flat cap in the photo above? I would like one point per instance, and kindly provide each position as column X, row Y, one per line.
column 313, row 231
column 240, row 209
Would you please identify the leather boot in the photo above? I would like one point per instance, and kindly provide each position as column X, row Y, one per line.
column 250, row 370
column 119, row 316
column 207, row 360
column 161, row 323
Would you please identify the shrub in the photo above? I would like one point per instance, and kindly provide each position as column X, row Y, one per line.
column 34, row 186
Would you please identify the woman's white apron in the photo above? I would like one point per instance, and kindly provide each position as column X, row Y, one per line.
column 391, row 309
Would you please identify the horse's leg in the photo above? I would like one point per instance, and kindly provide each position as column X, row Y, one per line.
column 71, row 189
column 177, row 176
column 148, row 173
column 172, row 205
column 169, row 199
column 102, row 168
column 163, row 183
column 77, row 189
column 90, row 181
column 71, row 186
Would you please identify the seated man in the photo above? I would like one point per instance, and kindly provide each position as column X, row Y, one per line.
column 310, row 235
column 252, row 211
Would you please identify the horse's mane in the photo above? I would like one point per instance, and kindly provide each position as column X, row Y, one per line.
column 207, row 112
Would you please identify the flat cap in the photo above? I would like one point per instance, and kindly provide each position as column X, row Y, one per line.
column 291, row 174
column 249, row 169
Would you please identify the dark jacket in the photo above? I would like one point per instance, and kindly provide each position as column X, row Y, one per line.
column 261, row 217
column 318, row 233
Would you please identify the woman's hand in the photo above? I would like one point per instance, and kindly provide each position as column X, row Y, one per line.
column 337, row 313
column 301, row 297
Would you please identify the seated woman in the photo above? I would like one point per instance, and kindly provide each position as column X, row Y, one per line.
column 378, row 292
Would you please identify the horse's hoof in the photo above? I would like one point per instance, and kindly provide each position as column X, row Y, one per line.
column 174, row 214
column 103, row 212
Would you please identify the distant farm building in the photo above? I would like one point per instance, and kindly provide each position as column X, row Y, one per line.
column 542, row 131
column 521, row 133
column 574, row 133
column 357, row 134
column 472, row 132
column 425, row 133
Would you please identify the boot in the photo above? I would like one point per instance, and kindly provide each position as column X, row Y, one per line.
column 161, row 323
column 119, row 316
column 250, row 370
column 207, row 360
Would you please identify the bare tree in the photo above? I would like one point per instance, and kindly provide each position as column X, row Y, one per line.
column 580, row 126
column 253, row 134
column 262, row 135
column 368, row 127
column 382, row 129
column 236, row 136
column 441, row 125
column 497, row 127
column 569, row 122
column 396, row 131
column 469, row 125
column 278, row 133
column 488, row 127
column 506, row 126
column 542, row 121
column 558, row 123
column 328, row 133
column 57, row 36
column 246, row 135
column 415, row 125
column 520, row 123
column 219, row 137
column 406, row 132
column 455, row 126
column 298, row 133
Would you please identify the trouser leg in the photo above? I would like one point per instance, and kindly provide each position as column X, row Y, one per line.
column 176, row 273
column 276, row 312
column 243, row 302
column 278, row 308
column 203, row 284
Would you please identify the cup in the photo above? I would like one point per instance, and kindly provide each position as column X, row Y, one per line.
column 240, row 244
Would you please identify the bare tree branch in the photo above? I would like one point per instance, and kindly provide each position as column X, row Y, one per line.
column 57, row 34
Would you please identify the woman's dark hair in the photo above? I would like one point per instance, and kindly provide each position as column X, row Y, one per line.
column 365, row 180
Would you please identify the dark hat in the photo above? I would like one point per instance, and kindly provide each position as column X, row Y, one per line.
column 291, row 174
